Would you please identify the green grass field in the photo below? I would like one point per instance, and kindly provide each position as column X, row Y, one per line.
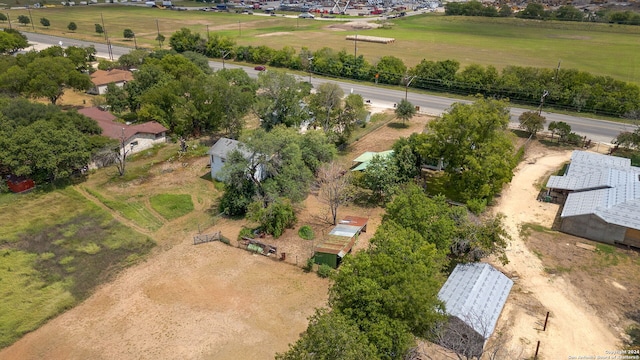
column 601, row 49
column 171, row 206
column 56, row 247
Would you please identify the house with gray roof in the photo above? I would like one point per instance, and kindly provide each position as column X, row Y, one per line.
column 473, row 295
column 602, row 198
column 220, row 151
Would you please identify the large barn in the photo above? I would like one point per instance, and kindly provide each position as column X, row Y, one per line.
column 601, row 196
column 473, row 295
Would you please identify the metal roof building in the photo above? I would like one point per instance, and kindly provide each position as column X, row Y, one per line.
column 364, row 159
column 340, row 241
column 474, row 295
column 602, row 198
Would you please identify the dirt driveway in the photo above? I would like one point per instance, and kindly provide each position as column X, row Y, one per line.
column 573, row 327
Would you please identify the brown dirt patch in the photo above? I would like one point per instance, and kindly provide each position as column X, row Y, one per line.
column 281, row 33
column 353, row 25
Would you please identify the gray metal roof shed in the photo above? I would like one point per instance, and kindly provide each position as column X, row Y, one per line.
column 476, row 293
column 224, row 146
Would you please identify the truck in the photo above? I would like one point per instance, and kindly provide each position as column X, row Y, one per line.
column 167, row 3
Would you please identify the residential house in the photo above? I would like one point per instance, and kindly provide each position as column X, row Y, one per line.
column 473, row 295
column 220, row 151
column 102, row 78
column 601, row 196
column 136, row 138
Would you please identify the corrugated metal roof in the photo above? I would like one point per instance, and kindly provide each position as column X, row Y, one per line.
column 366, row 157
column 476, row 293
column 606, row 186
column 345, row 230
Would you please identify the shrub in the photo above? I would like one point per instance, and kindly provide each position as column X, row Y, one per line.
column 324, row 271
column 309, row 266
column 275, row 218
column 245, row 232
column 306, row 233
column 477, row 206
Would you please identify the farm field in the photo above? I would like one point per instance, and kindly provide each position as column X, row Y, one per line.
column 591, row 47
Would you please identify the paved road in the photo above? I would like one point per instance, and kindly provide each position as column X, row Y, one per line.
column 597, row 130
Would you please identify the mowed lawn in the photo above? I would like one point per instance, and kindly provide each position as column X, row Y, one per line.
column 602, row 49
column 55, row 247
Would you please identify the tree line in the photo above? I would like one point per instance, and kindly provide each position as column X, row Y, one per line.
column 567, row 88
column 537, row 11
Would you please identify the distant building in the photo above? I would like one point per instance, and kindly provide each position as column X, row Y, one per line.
column 220, row 151
column 473, row 295
column 102, row 78
column 136, row 137
column 601, row 196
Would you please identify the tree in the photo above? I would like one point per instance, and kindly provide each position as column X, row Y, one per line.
column 45, row 22
column 3, row 17
column 627, row 139
column 473, row 141
column 99, row 29
column 325, row 104
column 273, row 219
column 10, row 42
column 335, row 184
column 121, row 153
column 505, row 11
column 405, row 110
column 330, row 335
column 561, row 128
column 128, row 34
column 532, row 122
column 381, row 177
column 184, row 40
column 391, row 70
column 46, row 77
column 24, row 20
column 279, row 100
column 72, row 26
column 160, row 39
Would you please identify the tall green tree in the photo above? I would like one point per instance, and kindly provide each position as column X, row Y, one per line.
column 99, row 29
column 128, row 34
column 475, row 144
column 11, row 42
column 381, row 177
column 405, row 110
column 279, row 100
column 532, row 122
column 185, row 40
column 45, row 22
column 325, row 104
column 331, row 335
column 46, row 77
column 72, row 26
column 3, row 17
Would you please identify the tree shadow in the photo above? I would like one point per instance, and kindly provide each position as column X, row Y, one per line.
column 398, row 125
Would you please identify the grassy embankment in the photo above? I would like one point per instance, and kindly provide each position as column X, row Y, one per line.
column 591, row 47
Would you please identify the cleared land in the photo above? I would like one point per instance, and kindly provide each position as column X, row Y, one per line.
column 595, row 48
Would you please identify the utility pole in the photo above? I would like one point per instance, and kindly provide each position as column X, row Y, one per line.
column 103, row 28
column 544, row 95
column 310, row 59
column 239, row 29
column 208, row 32
column 135, row 42
column 406, row 89
column 224, row 55
column 9, row 18
column 355, row 47
column 33, row 27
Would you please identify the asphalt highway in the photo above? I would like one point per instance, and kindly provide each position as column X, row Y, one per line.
column 596, row 130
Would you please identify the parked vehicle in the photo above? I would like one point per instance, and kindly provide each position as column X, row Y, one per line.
column 306, row 16
column 260, row 68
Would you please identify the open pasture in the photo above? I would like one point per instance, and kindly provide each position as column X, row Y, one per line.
column 603, row 49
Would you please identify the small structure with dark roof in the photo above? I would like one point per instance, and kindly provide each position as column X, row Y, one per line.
column 601, row 196
column 136, row 137
column 19, row 184
column 102, row 78
column 473, row 295
column 340, row 241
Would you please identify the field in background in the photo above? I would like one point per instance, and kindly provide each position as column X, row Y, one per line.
column 596, row 48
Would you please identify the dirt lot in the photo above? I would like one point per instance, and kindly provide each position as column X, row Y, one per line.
column 585, row 313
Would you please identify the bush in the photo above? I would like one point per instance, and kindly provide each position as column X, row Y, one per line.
column 477, row 206
column 309, row 266
column 306, row 233
column 275, row 218
column 245, row 232
column 324, row 271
